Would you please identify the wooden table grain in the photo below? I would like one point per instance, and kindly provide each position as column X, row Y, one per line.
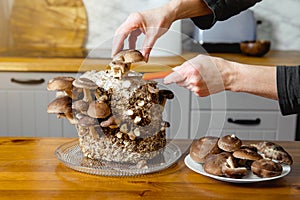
column 30, row 170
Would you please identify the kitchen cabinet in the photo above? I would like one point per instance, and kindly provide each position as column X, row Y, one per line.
column 23, row 106
column 245, row 115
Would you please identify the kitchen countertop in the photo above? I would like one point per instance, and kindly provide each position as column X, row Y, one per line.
column 30, row 170
column 66, row 60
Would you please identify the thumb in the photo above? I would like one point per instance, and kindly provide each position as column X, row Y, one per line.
column 174, row 77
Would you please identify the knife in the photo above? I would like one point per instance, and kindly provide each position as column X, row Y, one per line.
column 156, row 75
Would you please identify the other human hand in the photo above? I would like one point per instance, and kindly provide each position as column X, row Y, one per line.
column 203, row 75
column 153, row 23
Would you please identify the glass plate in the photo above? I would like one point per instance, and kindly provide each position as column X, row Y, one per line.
column 71, row 156
column 250, row 178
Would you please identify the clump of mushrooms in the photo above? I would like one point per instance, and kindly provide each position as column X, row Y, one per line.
column 122, row 61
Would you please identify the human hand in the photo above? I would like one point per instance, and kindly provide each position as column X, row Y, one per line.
column 153, row 23
column 203, row 75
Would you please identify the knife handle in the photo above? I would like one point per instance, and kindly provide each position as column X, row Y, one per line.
column 156, row 75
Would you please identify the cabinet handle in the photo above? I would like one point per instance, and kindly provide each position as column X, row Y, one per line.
column 28, row 81
column 245, row 121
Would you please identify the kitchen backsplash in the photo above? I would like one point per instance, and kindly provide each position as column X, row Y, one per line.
column 280, row 20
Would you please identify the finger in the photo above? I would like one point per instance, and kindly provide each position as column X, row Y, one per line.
column 133, row 38
column 183, row 84
column 174, row 77
column 118, row 43
column 108, row 122
column 120, row 35
column 148, row 45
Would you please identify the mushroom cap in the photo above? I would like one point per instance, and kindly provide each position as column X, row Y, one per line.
column 60, row 105
column 214, row 162
column 246, row 154
column 204, row 147
column 60, row 83
column 80, row 105
column 129, row 56
column 98, row 109
column 85, row 84
column 266, row 168
column 132, row 56
column 229, row 143
column 87, row 121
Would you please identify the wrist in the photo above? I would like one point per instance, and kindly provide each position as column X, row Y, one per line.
column 181, row 9
column 229, row 72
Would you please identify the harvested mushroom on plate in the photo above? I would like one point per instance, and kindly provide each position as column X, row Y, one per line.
column 214, row 162
column 223, row 164
column 246, row 156
column 274, row 151
column 237, row 160
column 230, row 169
column 229, row 143
column 266, row 168
column 204, row 147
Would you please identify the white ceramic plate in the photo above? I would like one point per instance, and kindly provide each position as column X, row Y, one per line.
column 250, row 178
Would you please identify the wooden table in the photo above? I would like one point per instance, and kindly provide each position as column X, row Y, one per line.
column 30, row 170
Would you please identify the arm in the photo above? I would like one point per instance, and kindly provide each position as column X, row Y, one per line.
column 288, row 86
column 254, row 79
column 222, row 10
column 206, row 75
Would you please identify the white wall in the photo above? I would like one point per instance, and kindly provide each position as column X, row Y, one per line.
column 280, row 23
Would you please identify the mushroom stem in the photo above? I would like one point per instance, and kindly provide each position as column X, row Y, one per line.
column 69, row 93
column 107, row 123
column 87, row 95
column 94, row 132
column 71, row 118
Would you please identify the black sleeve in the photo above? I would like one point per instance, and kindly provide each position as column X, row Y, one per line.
column 222, row 10
column 288, row 89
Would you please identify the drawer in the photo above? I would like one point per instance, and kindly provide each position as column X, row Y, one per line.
column 233, row 101
column 202, row 122
column 28, row 81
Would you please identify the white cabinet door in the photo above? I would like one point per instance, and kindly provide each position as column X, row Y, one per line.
column 23, row 106
column 177, row 112
column 255, row 125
